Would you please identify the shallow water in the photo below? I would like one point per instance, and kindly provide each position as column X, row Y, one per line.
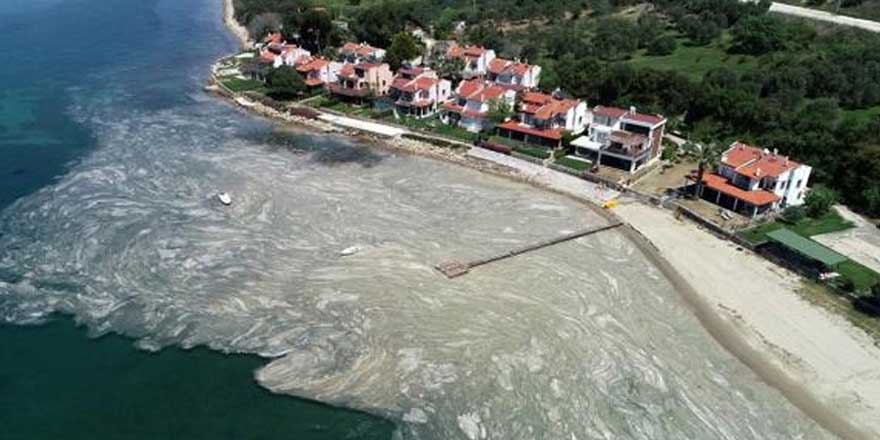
column 582, row 340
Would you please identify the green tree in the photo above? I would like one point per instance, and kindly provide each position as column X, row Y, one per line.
column 650, row 26
column 285, row 83
column 706, row 156
column 316, row 29
column 662, row 45
column 698, row 29
column 616, row 38
column 404, row 47
column 450, row 68
column 819, row 201
column 759, row 34
column 872, row 199
column 499, row 110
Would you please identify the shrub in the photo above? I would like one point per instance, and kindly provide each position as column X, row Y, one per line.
column 662, row 45
column 794, row 214
column 819, row 201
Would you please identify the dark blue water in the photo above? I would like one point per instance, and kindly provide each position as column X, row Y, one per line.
column 62, row 58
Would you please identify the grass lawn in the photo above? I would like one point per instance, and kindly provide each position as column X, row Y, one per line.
column 830, row 222
column 243, row 85
column 574, row 163
column 695, row 61
column 522, row 148
column 863, row 115
column 861, row 276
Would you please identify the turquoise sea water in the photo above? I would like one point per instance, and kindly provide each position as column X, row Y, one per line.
column 60, row 57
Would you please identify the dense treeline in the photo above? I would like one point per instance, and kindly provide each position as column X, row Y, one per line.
column 801, row 91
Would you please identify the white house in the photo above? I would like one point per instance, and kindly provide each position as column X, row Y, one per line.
column 754, row 181
column 361, row 53
column 419, row 91
column 476, row 58
column 318, row 72
column 543, row 119
column 620, row 138
column 514, row 73
column 470, row 104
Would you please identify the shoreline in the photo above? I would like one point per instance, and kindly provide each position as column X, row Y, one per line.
column 787, row 363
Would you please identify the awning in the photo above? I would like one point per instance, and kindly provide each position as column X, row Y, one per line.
column 552, row 134
column 586, row 143
column 806, row 247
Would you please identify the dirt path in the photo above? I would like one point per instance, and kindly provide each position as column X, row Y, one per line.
column 861, row 243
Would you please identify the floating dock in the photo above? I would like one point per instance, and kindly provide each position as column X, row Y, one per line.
column 453, row 269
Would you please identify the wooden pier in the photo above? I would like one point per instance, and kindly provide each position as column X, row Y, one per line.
column 453, row 269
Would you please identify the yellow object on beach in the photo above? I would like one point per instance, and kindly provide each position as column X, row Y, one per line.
column 610, row 204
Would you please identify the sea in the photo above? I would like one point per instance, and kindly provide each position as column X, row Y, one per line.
column 134, row 306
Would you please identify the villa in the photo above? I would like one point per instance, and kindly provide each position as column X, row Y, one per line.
column 418, row 91
column 361, row 53
column 476, row 59
column 276, row 52
column 544, row 119
column 469, row 107
column 318, row 72
column 514, row 74
column 754, row 181
column 362, row 81
column 620, row 138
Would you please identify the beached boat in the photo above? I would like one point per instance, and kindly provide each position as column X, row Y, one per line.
column 224, row 198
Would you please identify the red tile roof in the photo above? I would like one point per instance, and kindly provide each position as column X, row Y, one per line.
column 451, row 106
column 312, row 65
column 363, row 49
column 468, row 88
column 347, row 71
column 456, row 51
column 553, row 133
column 757, row 198
column 500, row 65
column 311, row 82
column 644, row 118
column 754, row 162
column 619, row 113
column 611, row 112
column 545, row 106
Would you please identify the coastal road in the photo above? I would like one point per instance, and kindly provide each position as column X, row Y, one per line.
column 814, row 14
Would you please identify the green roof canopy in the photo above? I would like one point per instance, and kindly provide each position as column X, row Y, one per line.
column 806, row 247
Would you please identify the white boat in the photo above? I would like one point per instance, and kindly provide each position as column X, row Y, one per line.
column 350, row 251
column 224, row 198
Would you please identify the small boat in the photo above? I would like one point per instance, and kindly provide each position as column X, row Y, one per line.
column 350, row 251
column 224, row 198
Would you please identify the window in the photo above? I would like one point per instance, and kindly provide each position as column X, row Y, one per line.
column 798, row 184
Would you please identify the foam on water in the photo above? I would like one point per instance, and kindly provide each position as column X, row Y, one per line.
column 584, row 340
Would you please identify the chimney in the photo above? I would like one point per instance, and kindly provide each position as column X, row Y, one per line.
column 632, row 109
column 758, row 172
column 785, row 160
column 775, row 151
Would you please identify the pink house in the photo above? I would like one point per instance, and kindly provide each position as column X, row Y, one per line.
column 362, row 81
column 418, row 91
column 469, row 107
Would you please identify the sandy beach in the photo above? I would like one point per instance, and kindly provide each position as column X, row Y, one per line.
column 237, row 30
column 817, row 360
column 819, row 351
